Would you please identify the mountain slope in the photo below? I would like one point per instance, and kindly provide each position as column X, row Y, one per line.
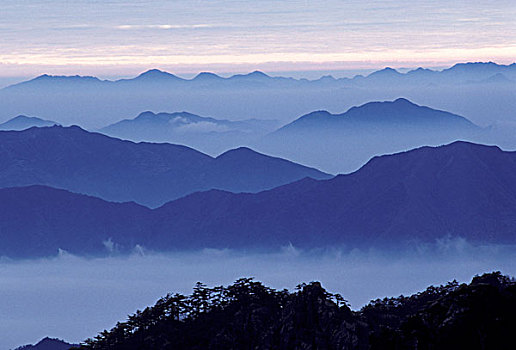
column 462, row 189
column 398, row 114
column 249, row 315
column 150, row 174
column 47, row 344
column 209, row 135
column 49, row 220
column 344, row 142
column 400, row 201
column 466, row 89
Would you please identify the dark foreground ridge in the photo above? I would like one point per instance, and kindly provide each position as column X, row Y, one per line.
column 249, row 315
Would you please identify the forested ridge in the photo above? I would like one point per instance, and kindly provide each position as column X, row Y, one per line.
column 249, row 315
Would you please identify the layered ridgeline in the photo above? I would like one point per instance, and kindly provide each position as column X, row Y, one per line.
column 344, row 142
column 151, row 174
column 394, row 202
column 249, row 315
column 482, row 91
column 22, row 122
column 209, row 135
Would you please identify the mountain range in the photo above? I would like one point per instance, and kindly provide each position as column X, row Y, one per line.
column 341, row 143
column 336, row 143
column 22, row 122
column 484, row 92
column 209, row 135
column 148, row 173
column 461, row 190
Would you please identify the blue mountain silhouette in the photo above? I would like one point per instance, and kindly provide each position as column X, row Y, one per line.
column 22, row 122
column 397, row 114
column 151, row 174
column 344, row 142
column 206, row 134
column 94, row 103
column 416, row 197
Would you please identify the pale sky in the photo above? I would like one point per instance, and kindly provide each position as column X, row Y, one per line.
column 116, row 37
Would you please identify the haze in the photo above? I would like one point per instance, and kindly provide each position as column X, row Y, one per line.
column 125, row 37
column 75, row 298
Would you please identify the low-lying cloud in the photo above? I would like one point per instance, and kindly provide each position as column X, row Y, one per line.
column 74, row 298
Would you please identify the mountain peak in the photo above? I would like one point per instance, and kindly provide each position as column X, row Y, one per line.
column 386, row 72
column 239, row 151
column 71, row 78
column 403, row 101
column 23, row 122
column 258, row 74
column 154, row 74
column 207, row 76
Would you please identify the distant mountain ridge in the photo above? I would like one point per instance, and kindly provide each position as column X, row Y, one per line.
column 22, row 122
column 151, row 174
column 460, row 190
column 206, row 134
column 467, row 71
column 94, row 103
column 343, row 142
column 388, row 114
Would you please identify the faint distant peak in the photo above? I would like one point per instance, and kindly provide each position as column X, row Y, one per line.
column 475, row 67
column 402, row 101
column 47, row 77
column 207, row 76
column 156, row 74
column 327, row 77
column 23, row 122
column 421, row 71
column 497, row 78
column 316, row 115
column 239, row 151
column 24, row 117
column 256, row 75
column 475, row 64
column 386, row 72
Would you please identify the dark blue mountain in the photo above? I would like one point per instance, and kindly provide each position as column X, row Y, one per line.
column 22, row 122
column 462, row 190
column 48, row 220
column 47, row 344
column 150, row 174
column 394, row 202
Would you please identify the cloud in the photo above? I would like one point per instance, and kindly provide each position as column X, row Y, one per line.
column 161, row 26
column 44, row 297
column 184, row 125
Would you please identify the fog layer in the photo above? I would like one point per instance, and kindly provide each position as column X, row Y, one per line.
column 74, row 298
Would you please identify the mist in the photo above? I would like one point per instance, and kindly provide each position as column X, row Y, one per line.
column 74, row 298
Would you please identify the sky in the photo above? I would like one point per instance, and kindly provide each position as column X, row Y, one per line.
column 111, row 38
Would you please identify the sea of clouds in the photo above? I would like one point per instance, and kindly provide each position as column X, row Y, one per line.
column 74, row 298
